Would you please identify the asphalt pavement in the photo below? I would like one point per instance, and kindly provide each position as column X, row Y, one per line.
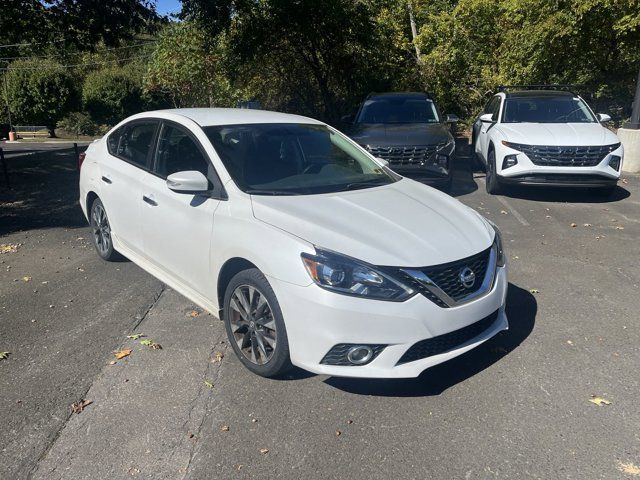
column 519, row 406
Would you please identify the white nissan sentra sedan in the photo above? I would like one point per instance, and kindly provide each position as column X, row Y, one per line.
column 311, row 251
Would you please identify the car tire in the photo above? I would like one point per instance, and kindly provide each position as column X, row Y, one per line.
column 257, row 334
column 492, row 182
column 101, row 230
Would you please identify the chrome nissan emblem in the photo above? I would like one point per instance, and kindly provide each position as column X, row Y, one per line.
column 467, row 277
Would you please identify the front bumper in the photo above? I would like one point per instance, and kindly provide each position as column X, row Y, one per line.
column 525, row 172
column 317, row 320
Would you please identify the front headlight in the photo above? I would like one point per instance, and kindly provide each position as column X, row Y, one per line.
column 348, row 276
column 501, row 258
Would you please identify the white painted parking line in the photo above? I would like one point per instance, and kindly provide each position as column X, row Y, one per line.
column 513, row 211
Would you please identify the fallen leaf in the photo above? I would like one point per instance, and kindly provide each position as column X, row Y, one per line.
column 587, row 225
column 629, row 468
column 534, row 290
column 625, row 181
column 224, row 428
column 78, row 407
column 26, row 278
column 122, row 353
column 503, row 212
column 574, row 224
column 219, row 356
column 194, row 313
column 135, row 336
column 9, row 248
column 599, row 400
column 208, row 384
column 264, row 451
column 338, row 433
column 619, row 227
column 254, row 420
column 569, row 342
column 349, row 422
column 151, row 344
column 4, row 355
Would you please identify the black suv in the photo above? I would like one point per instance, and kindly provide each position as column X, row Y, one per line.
column 407, row 130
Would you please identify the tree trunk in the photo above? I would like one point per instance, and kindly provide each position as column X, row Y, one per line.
column 414, row 29
column 52, row 131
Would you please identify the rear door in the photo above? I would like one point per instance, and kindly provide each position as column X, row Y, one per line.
column 122, row 171
column 483, row 128
column 177, row 227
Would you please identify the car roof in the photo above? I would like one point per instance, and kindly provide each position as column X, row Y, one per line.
column 539, row 93
column 400, row 94
column 206, row 117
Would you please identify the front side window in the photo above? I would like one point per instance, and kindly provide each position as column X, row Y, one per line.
column 133, row 142
column 177, row 152
column 560, row 109
column 398, row 110
column 294, row 159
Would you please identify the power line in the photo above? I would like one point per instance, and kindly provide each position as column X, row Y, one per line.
column 29, row 44
column 78, row 64
column 29, row 57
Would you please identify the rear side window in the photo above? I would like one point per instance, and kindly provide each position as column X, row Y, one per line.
column 177, row 152
column 132, row 142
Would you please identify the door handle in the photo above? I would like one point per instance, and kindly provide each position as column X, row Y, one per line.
column 106, row 179
column 150, row 201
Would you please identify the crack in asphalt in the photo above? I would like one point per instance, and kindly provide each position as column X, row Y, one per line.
column 139, row 317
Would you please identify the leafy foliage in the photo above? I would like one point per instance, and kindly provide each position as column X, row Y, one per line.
column 39, row 92
column 113, row 93
column 78, row 123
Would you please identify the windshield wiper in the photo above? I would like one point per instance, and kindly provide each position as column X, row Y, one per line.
column 257, row 191
column 370, row 183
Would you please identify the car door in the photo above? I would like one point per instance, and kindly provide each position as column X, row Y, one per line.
column 122, row 170
column 482, row 138
column 177, row 227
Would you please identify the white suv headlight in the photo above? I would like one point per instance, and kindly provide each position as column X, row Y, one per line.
column 345, row 275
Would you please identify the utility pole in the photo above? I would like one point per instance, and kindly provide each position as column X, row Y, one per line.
column 414, row 30
column 634, row 123
column 6, row 97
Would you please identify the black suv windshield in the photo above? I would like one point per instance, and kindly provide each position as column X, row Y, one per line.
column 398, row 110
column 294, row 159
column 561, row 109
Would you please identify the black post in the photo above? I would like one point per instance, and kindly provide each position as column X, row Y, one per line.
column 4, row 168
column 75, row 150
column 634, row 123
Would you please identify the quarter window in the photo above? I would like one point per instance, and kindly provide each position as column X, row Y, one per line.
column 178, row 152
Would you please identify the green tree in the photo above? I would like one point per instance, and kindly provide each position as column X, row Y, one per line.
column 111, row 94
column 39, row 92
column 187, row 68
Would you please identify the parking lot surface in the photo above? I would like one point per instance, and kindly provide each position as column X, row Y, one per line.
column 519, row 406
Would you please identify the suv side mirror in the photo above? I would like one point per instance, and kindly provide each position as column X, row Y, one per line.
column 603, row 117
column 451, row 118
column 486, row 118
column 188, row 181
column 347, row 119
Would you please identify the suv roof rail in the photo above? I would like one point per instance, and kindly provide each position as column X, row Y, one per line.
column 541, row 86
column 428, row 94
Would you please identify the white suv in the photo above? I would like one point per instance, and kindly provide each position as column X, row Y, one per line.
column 545, row 137
column 312, row 252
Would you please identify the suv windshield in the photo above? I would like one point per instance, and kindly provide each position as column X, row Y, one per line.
column 561, row 109
column 398, row 110
column 294, row 159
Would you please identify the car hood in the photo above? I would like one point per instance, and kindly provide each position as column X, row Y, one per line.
column 402, row 224
column 564, row 134
column 401, row 134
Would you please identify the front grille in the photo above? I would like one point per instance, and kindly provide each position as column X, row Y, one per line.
column 570, row 156
column 448, row 341
column 338, row 354
column 447, row 275
column 405, row 155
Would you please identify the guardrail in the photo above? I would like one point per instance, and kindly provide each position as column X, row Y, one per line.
column 31, row 130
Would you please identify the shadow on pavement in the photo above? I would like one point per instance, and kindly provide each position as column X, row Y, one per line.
column 43, row 194
column 521, row 311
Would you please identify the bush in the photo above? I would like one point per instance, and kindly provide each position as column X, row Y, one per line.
column 78, row 123
column 111, row 94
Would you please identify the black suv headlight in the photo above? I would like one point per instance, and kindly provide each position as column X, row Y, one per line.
column 345, row 275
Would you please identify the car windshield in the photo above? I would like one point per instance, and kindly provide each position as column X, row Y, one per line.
column 398, row 110
column 561, row 109
column 294, row 159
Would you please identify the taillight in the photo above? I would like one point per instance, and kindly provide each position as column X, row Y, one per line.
column 81, row 157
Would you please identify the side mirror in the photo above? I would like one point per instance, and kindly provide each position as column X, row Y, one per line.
column 450, row 118
column 603, row 117
column 385, row 163
column 486, row 118
column 189, row 181
column 347, row 119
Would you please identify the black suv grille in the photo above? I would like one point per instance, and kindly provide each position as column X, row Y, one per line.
column 558, row 156
column 409, row 155
column 448, row 341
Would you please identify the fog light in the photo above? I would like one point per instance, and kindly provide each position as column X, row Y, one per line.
column 614, row 162
column 359, row 354
column 509, row 161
